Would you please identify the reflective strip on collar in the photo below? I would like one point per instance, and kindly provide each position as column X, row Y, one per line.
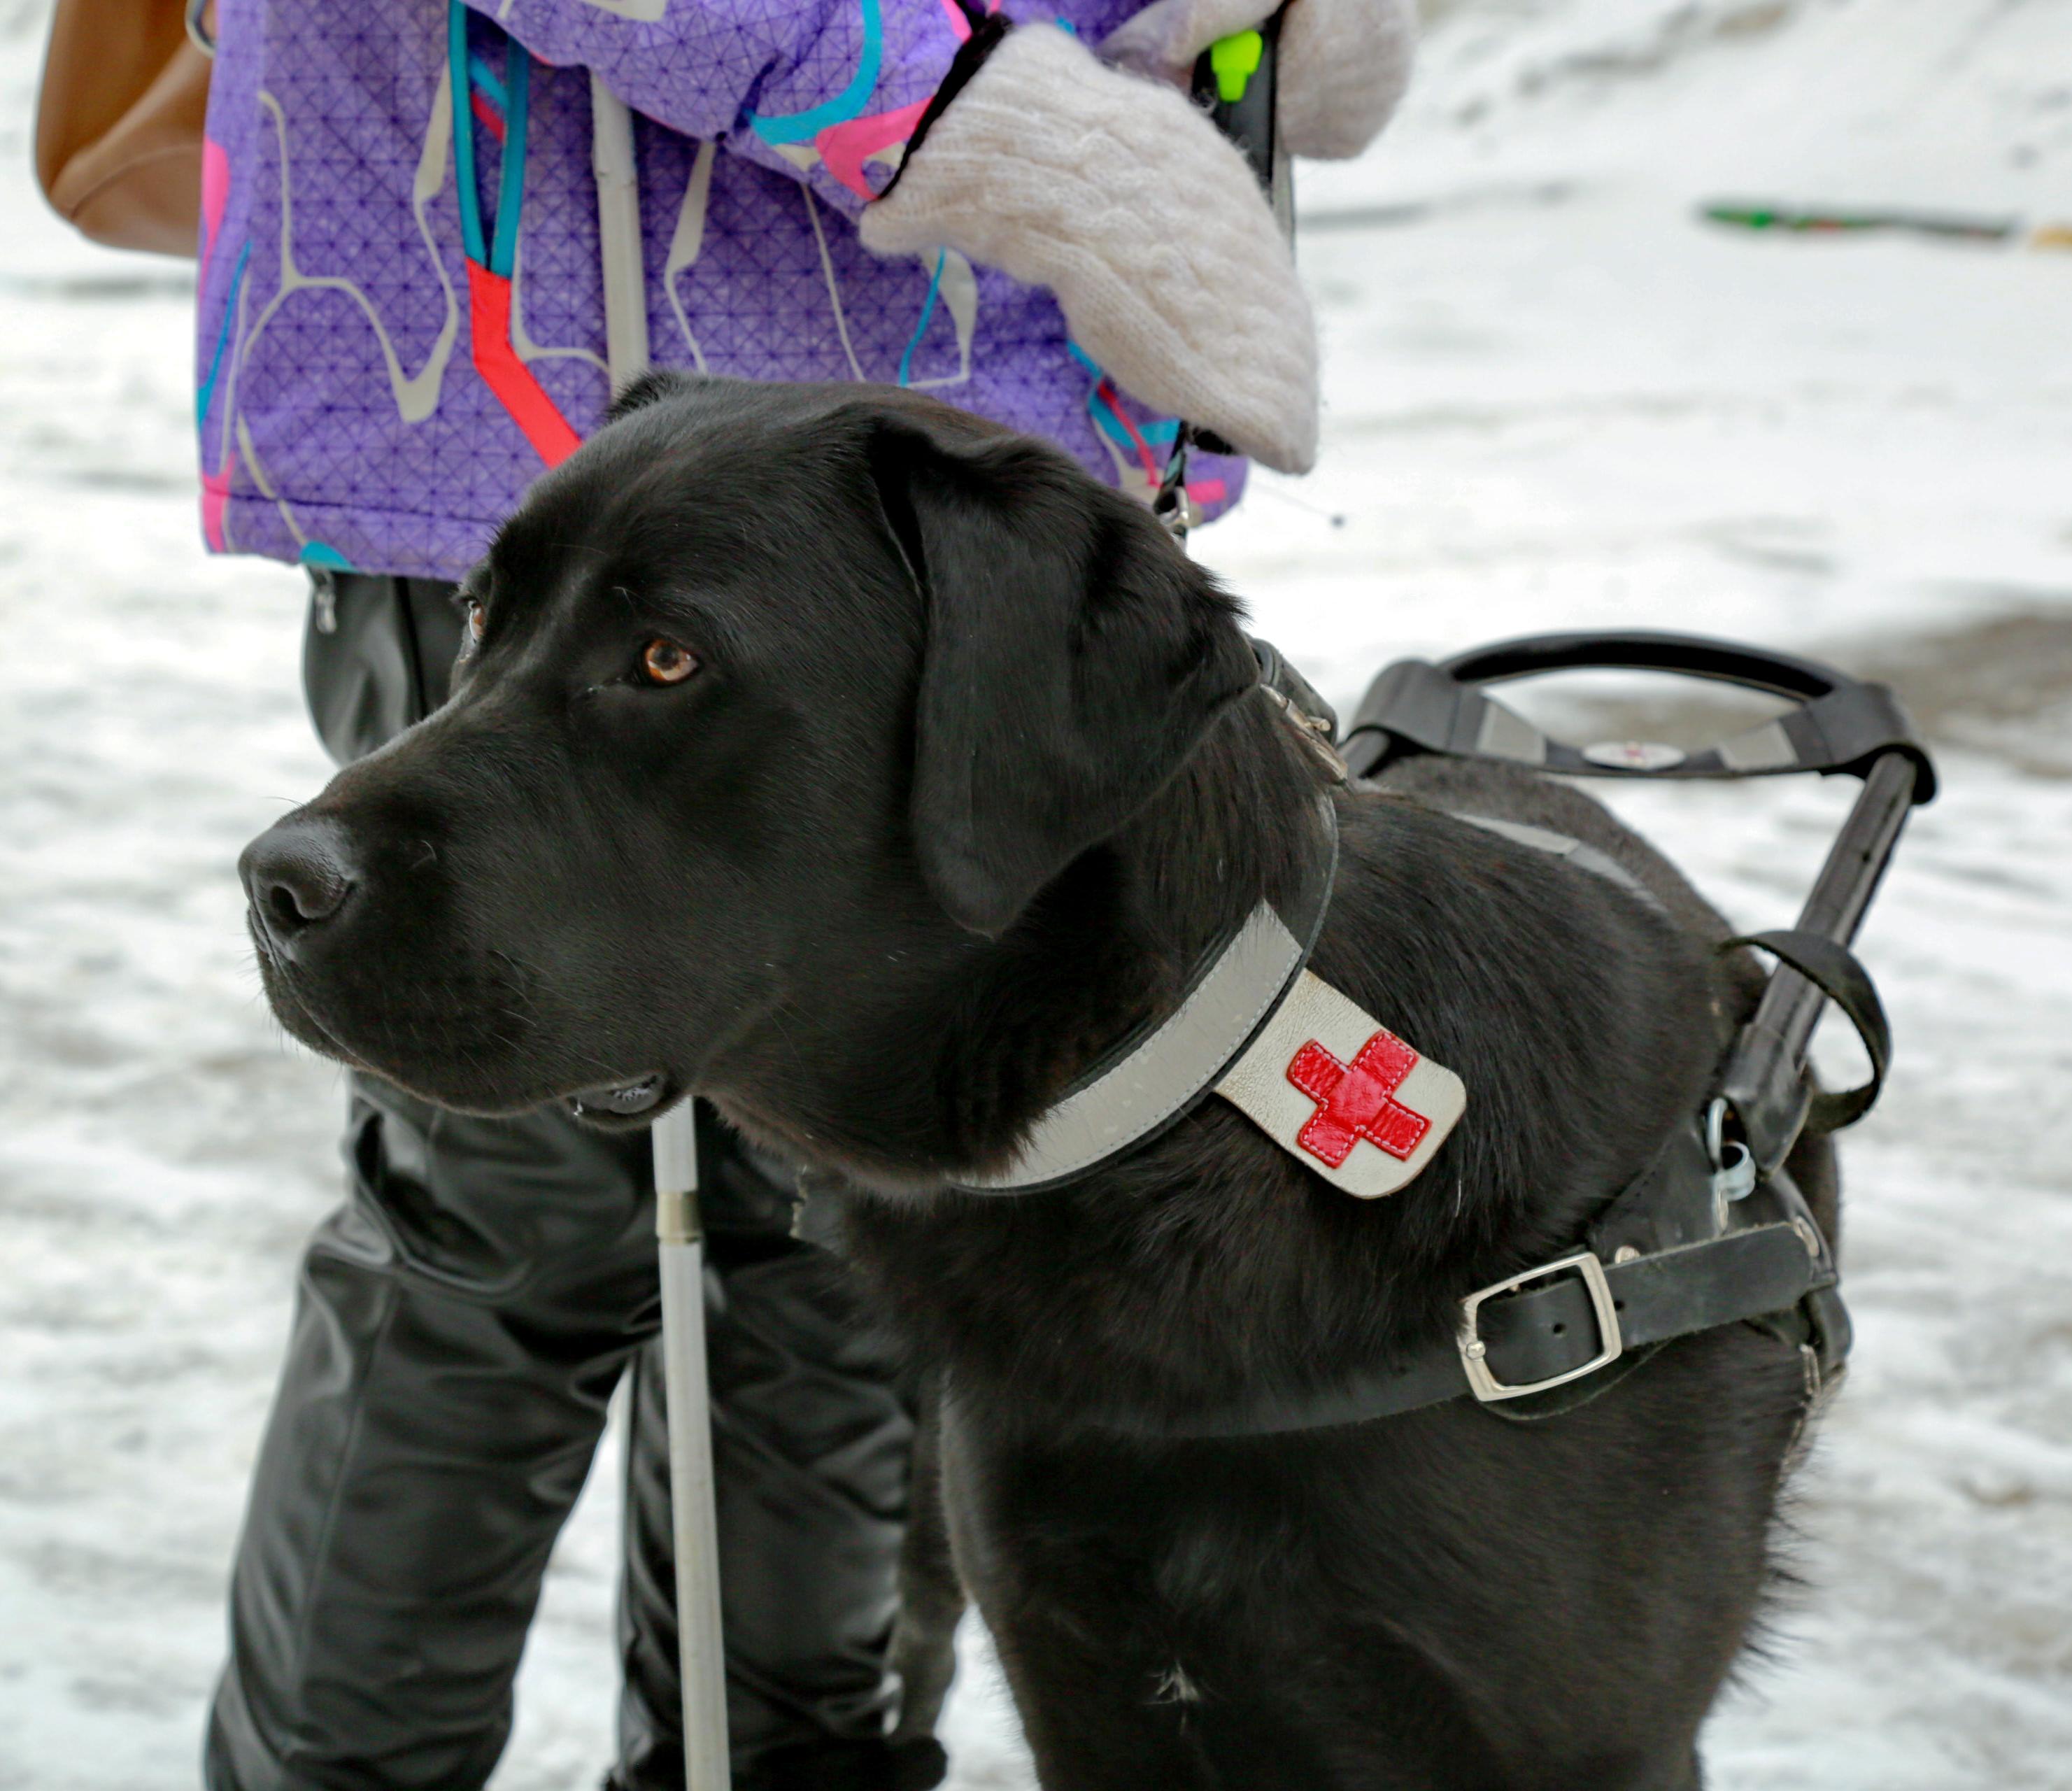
column 1342, row 1094
column 1168, row 1070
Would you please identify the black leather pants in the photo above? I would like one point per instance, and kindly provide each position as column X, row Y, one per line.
column 460, row 1323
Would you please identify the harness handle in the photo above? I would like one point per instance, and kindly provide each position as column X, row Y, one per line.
column 1837, row 723
column 1646, row 650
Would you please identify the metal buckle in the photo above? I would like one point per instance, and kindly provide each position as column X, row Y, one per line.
column 1474, row 1353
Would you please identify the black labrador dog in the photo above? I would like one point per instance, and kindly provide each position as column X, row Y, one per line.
column 869, row 771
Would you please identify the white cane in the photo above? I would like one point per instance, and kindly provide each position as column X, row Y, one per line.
column 680, row 1237
column 701, row 1651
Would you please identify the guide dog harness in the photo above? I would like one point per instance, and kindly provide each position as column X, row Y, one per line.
column 1713, row 1232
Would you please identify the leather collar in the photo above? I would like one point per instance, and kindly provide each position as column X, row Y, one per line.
column 1161, row 1071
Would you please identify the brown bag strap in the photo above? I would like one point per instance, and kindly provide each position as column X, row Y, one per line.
column 119, row 123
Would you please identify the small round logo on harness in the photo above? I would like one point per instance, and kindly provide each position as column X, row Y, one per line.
column 1633, row 755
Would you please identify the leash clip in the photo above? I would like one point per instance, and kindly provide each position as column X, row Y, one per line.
column 1314, row 731
column 1315, row 722
column 1170, row 504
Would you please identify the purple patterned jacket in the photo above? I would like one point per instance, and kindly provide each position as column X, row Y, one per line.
column 401, row 314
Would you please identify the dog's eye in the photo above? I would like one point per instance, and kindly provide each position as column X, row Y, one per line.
column 475, row 621
column 666, row 661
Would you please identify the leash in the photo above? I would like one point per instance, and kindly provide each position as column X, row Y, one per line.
column 1237, row 79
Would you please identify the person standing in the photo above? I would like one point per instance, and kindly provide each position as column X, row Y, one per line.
column 402, row 320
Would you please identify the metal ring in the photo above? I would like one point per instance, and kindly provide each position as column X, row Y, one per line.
column 1716, row 1132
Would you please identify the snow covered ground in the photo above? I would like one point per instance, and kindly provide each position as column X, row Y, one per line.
column 1555, row 400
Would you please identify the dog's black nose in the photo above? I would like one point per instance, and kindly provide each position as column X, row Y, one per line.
column 297, row 875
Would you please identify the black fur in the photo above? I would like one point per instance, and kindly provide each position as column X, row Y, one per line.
column 969, row 776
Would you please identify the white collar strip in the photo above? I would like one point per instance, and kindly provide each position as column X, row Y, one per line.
column 1319, row 1075
column 1155, row 1078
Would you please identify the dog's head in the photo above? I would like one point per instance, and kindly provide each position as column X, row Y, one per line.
column 777, row 704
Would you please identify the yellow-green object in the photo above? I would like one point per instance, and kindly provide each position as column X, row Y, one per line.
column 1234, row 59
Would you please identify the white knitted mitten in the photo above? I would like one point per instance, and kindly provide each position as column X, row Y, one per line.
column 1124, row 200
column 1343, row 66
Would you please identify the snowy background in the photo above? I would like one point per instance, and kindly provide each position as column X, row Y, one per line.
column 1555, row 398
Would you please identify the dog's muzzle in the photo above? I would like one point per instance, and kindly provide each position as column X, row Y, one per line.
column 298, row 876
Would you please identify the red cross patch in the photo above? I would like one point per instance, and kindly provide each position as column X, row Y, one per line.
column 1357, row 1101
column 1322, row 1073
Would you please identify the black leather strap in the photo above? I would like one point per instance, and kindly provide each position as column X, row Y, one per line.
column 1835, row 971
column 988, row 31
column 1539, row 1333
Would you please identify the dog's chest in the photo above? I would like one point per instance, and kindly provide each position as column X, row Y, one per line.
column 1160, row 1543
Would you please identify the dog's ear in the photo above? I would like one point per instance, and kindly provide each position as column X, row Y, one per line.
column 649, row 388
column 1073, row 657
